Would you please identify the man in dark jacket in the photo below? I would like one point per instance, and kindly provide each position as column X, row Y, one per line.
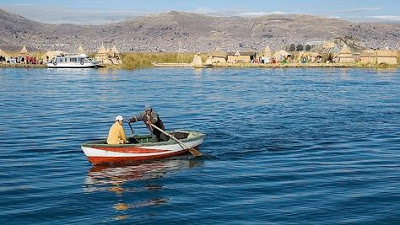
column 149, row 116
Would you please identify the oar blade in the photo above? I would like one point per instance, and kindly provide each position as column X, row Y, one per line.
column 195, row 152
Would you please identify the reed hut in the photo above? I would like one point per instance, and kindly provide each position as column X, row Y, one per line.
column 218, row 56
column 379, row 57
column 329, row 50
column 81, row 50
column 241, row 57
column 267, row 52
column 197, row 61
column 208, row 61
column 23, row 51
column 281, row 55
column 345, row 55
column 4, row 55
column 309, row 57
column 114, row 52
column 102, row 55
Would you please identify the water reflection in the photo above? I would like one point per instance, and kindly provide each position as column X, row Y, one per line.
column 198, row 72
column 125, row 179
column 107, row 72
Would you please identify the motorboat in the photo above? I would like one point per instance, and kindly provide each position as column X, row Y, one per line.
column 73, row 61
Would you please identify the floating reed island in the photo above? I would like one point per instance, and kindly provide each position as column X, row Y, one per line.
column 329, row 54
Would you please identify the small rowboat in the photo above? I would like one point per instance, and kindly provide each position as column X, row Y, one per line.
column 141, row 148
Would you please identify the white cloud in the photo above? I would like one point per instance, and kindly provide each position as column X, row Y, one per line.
column 354, row 10
column 255, row 14
column 234, row 12
column 387, row 18
column 56, row 15
column 360, row 10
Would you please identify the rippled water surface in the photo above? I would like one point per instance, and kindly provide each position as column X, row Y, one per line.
column 283, row 146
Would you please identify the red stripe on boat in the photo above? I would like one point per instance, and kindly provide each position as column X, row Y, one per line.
column 101, row 159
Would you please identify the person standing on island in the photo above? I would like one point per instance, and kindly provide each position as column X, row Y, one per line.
column 116, row 135
column 149, row 116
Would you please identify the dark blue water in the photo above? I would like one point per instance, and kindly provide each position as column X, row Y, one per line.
column 284, row 146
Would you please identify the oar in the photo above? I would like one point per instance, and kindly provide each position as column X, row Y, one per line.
column 192, row 151
column 133, row 132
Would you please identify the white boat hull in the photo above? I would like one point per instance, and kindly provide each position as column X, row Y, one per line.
column 72, row 65
column 103, row 153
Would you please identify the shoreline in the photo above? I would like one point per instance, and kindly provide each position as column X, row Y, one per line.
column 303, row 65
column 235, row 65
column 8, row 65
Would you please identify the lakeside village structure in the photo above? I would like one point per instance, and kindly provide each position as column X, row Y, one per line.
column 331, row 53
column 104, row 56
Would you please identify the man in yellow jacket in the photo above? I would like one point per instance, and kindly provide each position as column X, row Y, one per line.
column 116, row 135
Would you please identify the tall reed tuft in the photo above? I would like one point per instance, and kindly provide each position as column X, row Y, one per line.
column 145, row 60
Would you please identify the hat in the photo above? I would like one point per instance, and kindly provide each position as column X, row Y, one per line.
column 147, row 107
column 119, row 118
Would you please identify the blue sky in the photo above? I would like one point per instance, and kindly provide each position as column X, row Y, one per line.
column 106, row 11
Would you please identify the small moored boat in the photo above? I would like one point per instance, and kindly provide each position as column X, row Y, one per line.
column 141, row 148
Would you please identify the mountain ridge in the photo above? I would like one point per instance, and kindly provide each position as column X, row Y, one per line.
column 189, row 32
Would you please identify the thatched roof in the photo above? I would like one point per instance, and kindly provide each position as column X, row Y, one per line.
column 237, row 53
column 379, row 53
column 80, row 49
column 281, row 53
column 5, row 55
column 197, row 60
column 102, row 49
column 386, row 53
column 267, row 52
column 368, row 53
column 218, row 53
column 114, row 50
column 345, row 50
column 23, row 51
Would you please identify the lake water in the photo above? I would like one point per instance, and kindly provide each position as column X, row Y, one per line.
column 283, row 146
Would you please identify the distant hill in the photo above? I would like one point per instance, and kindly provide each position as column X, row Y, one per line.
column 193, row 33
